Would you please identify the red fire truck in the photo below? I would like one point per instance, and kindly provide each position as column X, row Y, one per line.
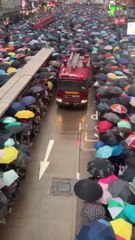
column 74, row 80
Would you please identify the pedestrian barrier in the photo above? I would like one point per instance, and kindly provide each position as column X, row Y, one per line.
column 11, row 90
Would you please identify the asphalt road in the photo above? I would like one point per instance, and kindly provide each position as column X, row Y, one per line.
column 46, row 208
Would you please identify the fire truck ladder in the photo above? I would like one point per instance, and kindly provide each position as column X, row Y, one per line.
column 74, row 58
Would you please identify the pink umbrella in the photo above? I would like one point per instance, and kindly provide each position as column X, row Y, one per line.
column 106, row 194
column 107, row 180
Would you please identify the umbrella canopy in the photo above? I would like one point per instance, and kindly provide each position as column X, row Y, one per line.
column 112, row 117
column 103, row 126
column 15, row 107
column 129, row 213
column 36, row 89
column 10, row 154
column 28, row 100
column 104, row 152
column 9, row 143
column 106, row 195
column 4, row 138
column 22, row 160
column 13, row 124
column 130, row 140
column 7, row 120
column 116, row 207
column 118, row 108
column 99, row 229
column 120, row 188
column 14, row 129
column 132, row 118
column 24, row 114
column 131, row 90
column 122, row 228
column 10, row 177
column 117, row 149
column 3, row 201
column 109, row 138
column 88, row 190
column 124, row 124
column 100, row 168
column 128, row 174
column 108, row 179
column 93, row 211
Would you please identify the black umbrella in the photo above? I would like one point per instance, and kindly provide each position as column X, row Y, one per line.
column 44, row 75
column 22, row 160
column 88, row 190
column 35, row 89
column 124, row 101
column 112, row 117
column 128, row 174
column 3, row 201
column 93, row 211
column 100, row 168
column 120, row 188
column 109, row 138
column 131, row 90
column 114, row 90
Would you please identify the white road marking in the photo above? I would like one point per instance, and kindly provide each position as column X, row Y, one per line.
column 86, row 139
column 44, row 164
column 78, row 176
column 95, row 116
column 88, row 149
column 80, row 126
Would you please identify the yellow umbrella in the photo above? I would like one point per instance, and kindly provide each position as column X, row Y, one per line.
column 124, row 40
column 112, row 76
column 11, row 70
column 11, row 54
column 10, row 154
column 25, row 114
column 8, row 63
column 122, row 228
column 116, row 48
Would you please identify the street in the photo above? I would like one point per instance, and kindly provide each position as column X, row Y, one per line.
column 46, row 207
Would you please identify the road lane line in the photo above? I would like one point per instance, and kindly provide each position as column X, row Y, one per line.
column 86, row 139
column 44, row 164
column 49, row 148
column 78, row 176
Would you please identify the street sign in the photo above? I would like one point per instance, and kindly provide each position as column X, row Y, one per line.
column 131, row 28
column 119, row 21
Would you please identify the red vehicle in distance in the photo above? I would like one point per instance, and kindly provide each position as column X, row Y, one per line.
column 74, row 80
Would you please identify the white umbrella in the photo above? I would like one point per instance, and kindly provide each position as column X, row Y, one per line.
column 10, row 177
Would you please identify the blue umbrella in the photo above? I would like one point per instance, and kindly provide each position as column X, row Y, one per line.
column 99, row 144
column 15, row 107
column 2, row 71
column 28, row 100
column 117, row 149
column 104, row 152
column 122, row 61
column 97, row 230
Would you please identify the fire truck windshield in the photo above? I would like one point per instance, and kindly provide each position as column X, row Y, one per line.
column 73, row 85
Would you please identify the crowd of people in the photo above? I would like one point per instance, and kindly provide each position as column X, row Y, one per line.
column 109, row 192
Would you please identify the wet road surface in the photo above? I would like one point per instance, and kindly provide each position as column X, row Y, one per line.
column 46, row 208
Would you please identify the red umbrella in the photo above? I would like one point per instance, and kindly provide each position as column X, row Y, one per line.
column 118, row 108
column 130, row 140
column 103, row 126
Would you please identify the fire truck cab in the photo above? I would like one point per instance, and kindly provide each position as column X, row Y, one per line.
column 74, row 80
